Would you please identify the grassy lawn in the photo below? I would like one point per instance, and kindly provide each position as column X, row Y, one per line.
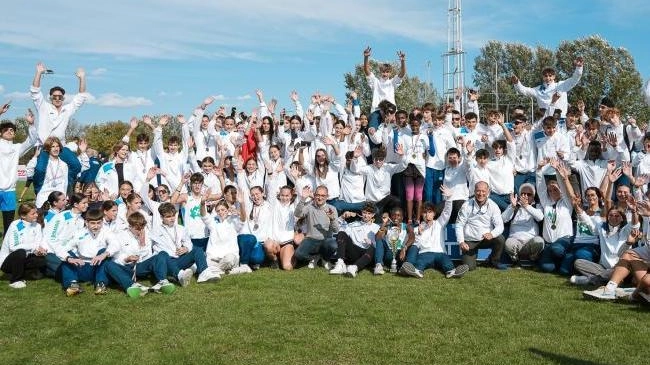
column 309, row 317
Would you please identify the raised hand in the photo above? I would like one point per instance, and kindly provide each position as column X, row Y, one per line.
column 513, row 200
column 401, row 55
column 133, row 123
column 164, row 119
column 146, row 119
column 81, row 73
column 514, row 80
column 40, row 68
column 207, row 101
column 626, row 167
column 294, row 96
column 446, row 192
column 180, row 118
column 29, row 117
column 579, row 62
column 367, row 52
column 614, row 175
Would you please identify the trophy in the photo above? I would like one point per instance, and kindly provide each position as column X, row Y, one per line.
column 393, row 239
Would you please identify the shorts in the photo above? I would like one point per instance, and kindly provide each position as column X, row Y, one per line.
column 7, row 200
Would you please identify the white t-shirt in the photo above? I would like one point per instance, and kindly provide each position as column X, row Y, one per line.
column 383, row 89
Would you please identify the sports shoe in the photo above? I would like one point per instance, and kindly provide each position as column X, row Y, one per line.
column 73, row 289
column 600, row 293
column 379, row 269
column 408, row 269
column 20, row 284
column 313, row 262
column 626, row 294
column 136, row 291
column 579, row 280
column 458, row 272
column 185, row 277
column 100, row 289
column 194, row 269
column 275, row 265
column 326, row 264
column 644, row 296
column 351, row 271
column 241, row 269
column 166, row 287
column 339, row 268
column 208, row 275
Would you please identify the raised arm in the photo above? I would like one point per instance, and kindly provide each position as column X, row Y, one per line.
column 40, row 70
column 402, row 61
column 366, row 60
column 81, row 75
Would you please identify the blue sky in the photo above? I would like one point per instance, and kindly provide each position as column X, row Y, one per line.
column 165, row 56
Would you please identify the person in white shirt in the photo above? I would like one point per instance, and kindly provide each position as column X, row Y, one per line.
column 455, row 180
column 523, row 242
column 143, row 158
column 557, row 228
column 281, row 247
column 479, row 225
column 10, row 153
column 222, row 251
column 356, row 242
column 61, row 229
column 441, row 139
column 55, row 174
column 114, row 173
column 173, row 162
column 544, row 93
column 84, row 256
column 133, row 257
column 174, row 239
column 383, row 88
column 53, row 119
column 416, row 150
column 22, row 249
column 550, row 144
column 378, row 177
column 428, row 251
column 524, row 153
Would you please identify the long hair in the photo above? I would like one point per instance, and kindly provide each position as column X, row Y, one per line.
column 320, row 170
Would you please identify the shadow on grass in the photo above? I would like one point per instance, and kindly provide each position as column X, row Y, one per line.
column 562, row 359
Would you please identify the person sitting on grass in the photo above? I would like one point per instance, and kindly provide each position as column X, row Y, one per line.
column 615, row 236
column 479, row 225
column 356, row 242
column 392, row 241
column 321, row 224
column 172, row 238
column 60, row 230
column 21, row 248
column 132, row 258
column 524, row 241
column 429, row 248
column 84, row 256
column 222, row 251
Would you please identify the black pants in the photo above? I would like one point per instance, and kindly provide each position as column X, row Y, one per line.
column 18, row 262
column 7, row 218
column 496, row 244
column 351, row 253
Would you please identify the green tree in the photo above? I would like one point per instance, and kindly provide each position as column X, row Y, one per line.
column 413, row 91
column 608, row 71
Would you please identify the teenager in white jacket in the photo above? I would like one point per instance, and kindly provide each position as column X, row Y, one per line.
column 22, row 249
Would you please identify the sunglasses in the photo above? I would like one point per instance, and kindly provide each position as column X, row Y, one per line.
column 56, row 97
column 163, row 192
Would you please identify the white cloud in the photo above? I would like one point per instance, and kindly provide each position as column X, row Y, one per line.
column 162, row 93
column 116, row 100
column 98, row 71
column 243, row 97
column 2, row 89
column 219, row 97
column 17, row 95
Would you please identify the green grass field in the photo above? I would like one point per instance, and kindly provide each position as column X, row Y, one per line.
column 310, row 317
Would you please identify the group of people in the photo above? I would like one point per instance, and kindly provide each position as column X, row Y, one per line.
column 331, row 186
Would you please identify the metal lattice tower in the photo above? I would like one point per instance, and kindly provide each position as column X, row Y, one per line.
column 453, row 73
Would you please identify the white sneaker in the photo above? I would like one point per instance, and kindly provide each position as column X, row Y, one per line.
column 208, row 275
column 601, row 293
column 194, row 269
column 625, row 294
column 163, row 286
column 313, row 262
column 379, row 269
column 579, row 280
column 241, row 269
column 20, row 284
column 339, row 268
column 185, row 277
column 458, row 271
column 351, row 271
column 408, row 269
column 136, row 290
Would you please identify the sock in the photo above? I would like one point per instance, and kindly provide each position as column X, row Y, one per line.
column 611, row 286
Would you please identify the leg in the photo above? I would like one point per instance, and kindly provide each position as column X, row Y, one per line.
column 14, row 264
column 438, row 176
column 246, row 243
column 428, row 185
column 40, row 170
column 419, row 186
column 409, row 187
column 307, row 248
column 496, row 244
column 343, row 241
column 121, row 274
column 74, row 166
column 69, row 273
column 425, row 261
column 469, row 256
column 201, row 243
column 53, row 266
column 532, row 249
column 328, row 249
column 512, row 247
column 286, row 256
